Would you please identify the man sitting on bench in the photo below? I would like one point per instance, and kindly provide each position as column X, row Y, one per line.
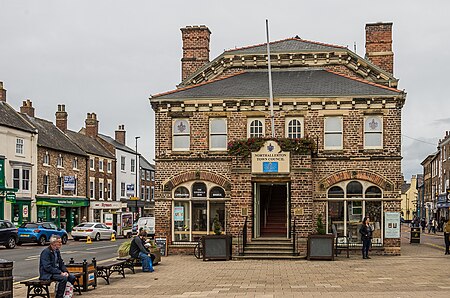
column 51, row 266
column 138, row 250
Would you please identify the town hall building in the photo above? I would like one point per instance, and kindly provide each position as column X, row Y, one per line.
column 333, row 148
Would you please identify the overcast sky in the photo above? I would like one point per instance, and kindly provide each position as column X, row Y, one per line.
column 108, row 56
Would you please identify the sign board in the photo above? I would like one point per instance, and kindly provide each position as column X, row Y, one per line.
column 161, row 242
column 2, row 173
column 130, row 190
column 69, row 183
column 25, row 211
column 106, row 205
column 392, row 225
column 53, row 212
column 270, row 159
column 11, row 198
column 178, row 213
column 108, row 219
column 199, row 190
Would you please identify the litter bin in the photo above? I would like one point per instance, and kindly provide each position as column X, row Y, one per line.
column 415, row 235
column 6, row 278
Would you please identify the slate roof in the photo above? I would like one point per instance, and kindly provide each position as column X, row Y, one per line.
column 51, row 137
column 88, row 144
column 286, row 83
column 405, row 187
column 291, row 45
column 116, row 144
column 11, row 118
column 145, row 164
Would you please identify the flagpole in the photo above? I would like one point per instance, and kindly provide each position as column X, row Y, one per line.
column 272, row 120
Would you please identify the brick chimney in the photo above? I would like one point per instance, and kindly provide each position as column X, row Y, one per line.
column 195, row 49
column 27, row 108
column 91, row 124
column 120, row 134
column 61, row 117
column 2, row 93
column 379, row 45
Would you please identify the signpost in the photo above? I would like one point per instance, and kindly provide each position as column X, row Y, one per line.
column 136, row 200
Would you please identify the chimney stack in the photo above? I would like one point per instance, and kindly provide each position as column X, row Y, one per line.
column 379, row 45
column 91, row 125
column 2, row 93
column 195, row 49
column 61, row 117
column 27, row 108
column 120, row 134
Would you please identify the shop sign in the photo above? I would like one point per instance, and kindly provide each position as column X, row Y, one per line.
column 63, row 202
column 11, row 198
column 69, row 183
column 25, row 211
column 130, row 189
column 270, row 159
column 108, row 220
column 178, row 213
column 53, row 212
column 392, row 225
column 2, row 173
column 199, row 190
column 106, row 205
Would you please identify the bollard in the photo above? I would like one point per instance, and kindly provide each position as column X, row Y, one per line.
column 113, row 237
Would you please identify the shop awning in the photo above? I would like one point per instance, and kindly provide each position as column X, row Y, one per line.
column 443, row 205
column 62, row 202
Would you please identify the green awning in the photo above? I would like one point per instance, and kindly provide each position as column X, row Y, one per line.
column 63, row 202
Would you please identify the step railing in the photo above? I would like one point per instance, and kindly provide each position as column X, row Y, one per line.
column 294, row 236
column 242, row 238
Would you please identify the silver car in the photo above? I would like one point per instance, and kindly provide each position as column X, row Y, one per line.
column 95, row 230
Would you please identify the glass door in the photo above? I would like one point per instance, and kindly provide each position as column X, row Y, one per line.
column 256, row 211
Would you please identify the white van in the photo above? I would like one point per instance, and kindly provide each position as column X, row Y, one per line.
column 147, row 224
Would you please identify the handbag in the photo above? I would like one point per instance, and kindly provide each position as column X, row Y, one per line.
column 68, row 293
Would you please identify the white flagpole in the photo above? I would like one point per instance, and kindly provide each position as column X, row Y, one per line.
column 272, row 120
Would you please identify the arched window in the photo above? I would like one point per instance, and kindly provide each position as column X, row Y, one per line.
column 335, row 192
column 294, row 129
column 181, row 193
column 216, row 193
column 354, row 190
column 199, row 190
column 373, row 192
column 256, row 129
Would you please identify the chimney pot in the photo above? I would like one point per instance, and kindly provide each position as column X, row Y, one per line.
column 2, row 92
column 120, row 134
column 91, row 125
column 27, row 108
column 379, row 45
column 195, row 49
column 61, row 118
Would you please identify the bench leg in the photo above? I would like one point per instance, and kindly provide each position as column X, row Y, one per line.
column 38, row 291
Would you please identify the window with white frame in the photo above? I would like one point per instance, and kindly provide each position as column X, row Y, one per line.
column 46, row 184
column 46, row 159
column 294, row 128
column 152, row 194
column 333, row 133
column 25, row 179
column 109, row 190
column 59, row 185
column 100, row 165
column 92, row 188
column 122, row 189
column 75, row 163
column 16, row 178
column 19, row 146
column 59, row 161
column 255, row 127
column 373, row 132
column 109, row 166
column 91, row 164
column 142, row 192
column 100, row 189
column 122, row 163
column 133, row 165
column 181, row 135
column 218, row 134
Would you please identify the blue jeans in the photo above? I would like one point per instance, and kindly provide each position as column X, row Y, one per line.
column 146, row 262
column 366, row 246
column 62, row 281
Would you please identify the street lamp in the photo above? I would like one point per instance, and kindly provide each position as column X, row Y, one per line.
column 136, row 181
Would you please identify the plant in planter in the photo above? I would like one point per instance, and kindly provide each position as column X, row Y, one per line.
column 320, row 226
column 217, row 246
column 217, row 227
column 320, row 245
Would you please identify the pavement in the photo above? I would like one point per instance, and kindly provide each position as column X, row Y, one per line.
column 421, row 271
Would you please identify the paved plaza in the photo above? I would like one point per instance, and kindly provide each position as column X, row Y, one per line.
column 421, row 271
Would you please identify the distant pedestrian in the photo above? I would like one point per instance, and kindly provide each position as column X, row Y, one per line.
column 366, row 237
column 434, row 225
column 423, row 224
column 430, row 222
column 447, row 237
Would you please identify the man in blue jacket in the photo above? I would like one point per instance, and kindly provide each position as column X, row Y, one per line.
column 138, row 250
column 51, row 266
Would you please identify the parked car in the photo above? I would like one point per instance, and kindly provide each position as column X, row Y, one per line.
column 40, row 232
column 8, row 234
column 95, row 230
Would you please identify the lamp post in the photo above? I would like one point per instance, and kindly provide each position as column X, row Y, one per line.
column 136, row 180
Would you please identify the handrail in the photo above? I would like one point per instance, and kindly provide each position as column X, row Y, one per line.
column 294, row 239
column 243, row 233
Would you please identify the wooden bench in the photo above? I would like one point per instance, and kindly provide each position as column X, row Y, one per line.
column 37, row 288
column 76, row 285
column 106, row 269
column 130, row 262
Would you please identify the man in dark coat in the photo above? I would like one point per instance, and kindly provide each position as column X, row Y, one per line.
column 138, row 250
column 51, row 266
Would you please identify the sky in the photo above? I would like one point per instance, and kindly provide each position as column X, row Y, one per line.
column 109, row 56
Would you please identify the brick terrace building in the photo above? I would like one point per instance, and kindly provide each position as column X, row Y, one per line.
column 347, row 106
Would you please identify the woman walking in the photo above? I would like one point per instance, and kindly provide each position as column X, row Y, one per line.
column 447, row 237
column 366, row 237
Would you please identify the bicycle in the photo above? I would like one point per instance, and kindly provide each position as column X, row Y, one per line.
column 198, row 249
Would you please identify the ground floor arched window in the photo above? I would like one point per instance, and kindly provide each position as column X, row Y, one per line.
column 195, row 206
column 348, row 203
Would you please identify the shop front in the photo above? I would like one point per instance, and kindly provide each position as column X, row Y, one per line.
column 21, row 211
column 65, row 212
column 106, row 212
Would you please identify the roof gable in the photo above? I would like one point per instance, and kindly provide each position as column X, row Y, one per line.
column 11, row 118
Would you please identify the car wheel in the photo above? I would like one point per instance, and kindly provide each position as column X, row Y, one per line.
column 11, row 242
column 41, row 240
column 97, row 237
column 64, row 239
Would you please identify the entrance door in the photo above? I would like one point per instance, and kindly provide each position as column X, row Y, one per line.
column 271, row 207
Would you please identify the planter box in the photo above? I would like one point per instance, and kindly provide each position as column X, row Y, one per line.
column 216, row 247
column 321, row 247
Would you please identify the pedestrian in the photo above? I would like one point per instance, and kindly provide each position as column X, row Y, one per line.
column 430, row 222
column 423, row 224
column 138, row 250
column 51, row 266
column 366, row 237
column 447, row 237
column 434, row 225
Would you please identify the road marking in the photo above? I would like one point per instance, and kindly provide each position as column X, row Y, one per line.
column 18, row 282
column 101, row 247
